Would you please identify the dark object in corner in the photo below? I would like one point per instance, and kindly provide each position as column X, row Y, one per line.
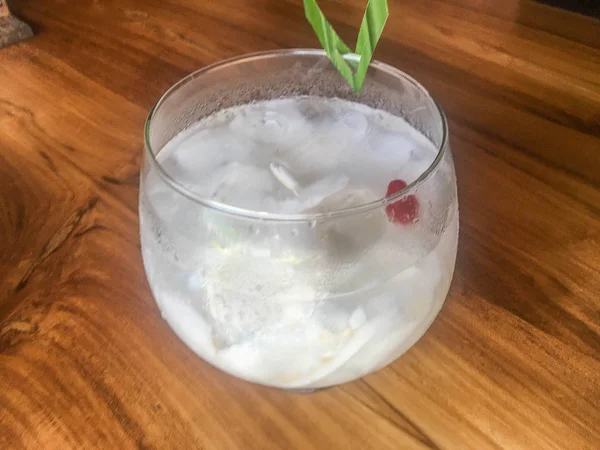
column 587, row 7
column 12, row 30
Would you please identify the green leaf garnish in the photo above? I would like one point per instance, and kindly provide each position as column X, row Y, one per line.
column 371, row 28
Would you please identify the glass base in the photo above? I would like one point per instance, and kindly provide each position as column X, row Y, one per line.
column 307, row 390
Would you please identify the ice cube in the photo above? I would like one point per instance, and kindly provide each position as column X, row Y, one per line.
column 280, row 358
column 315, row 193
column 199, row 151
column 347, row 346
column 320, row 153
column 355, row 123
column 190, row 325
column 332, row 137
column 195, row 158
column 311, row 195
column 174, row 211
column 334, row 318
column 315, row 108
column 282, row 123
column 389, row 149
column 240, row 185
column 196, row 281
column 348, row 236
column 161, row 198
column 419, row 161
column 243, row 360
column 246, row 296
column 358, row 318
column 392, row 338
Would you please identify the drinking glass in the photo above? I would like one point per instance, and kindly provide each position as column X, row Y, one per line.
column 305, row 300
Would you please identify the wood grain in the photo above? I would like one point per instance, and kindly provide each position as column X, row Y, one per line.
column 4, row 11
column 513, row 360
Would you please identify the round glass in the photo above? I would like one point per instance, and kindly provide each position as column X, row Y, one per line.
column 320, row 287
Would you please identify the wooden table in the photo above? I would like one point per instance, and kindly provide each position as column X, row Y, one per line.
column 513, row 360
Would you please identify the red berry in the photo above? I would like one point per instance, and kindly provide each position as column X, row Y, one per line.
column 395, row 186
column 405, row 210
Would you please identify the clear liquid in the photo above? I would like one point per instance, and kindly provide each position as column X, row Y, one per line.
column 295, row 305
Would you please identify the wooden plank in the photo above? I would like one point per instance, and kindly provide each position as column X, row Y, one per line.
column 512, row 361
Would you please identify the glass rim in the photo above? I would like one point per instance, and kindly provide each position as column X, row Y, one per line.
column 295, row 217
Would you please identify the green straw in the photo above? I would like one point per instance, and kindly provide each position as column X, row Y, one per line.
column 370, row 31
